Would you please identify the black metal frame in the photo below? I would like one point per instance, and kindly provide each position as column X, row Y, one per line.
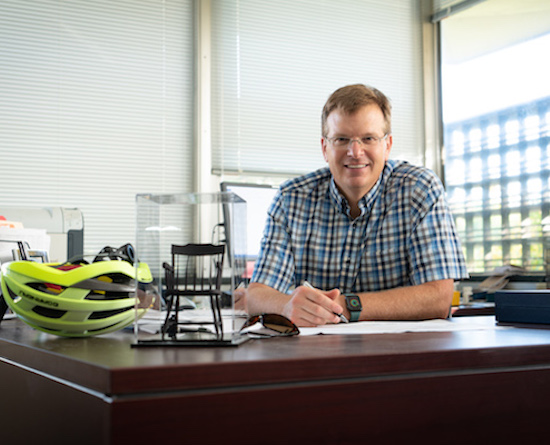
column 196, row 271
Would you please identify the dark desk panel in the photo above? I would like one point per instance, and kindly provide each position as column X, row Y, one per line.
column 465, row 310
column 446, row 387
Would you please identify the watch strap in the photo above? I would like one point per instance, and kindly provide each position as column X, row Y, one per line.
column 354, row 306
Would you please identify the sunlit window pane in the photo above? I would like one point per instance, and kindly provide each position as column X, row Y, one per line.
column 459, row 196
column 532, row 127
column 496, row 225
column 493, row 136
column 494, row 257
column 514, row 224
column 460, row 223
column 533, row 159
column 478, row 224
column 494, row 195
column 475, row 199
column 457, row 142
column 534, row 191
column 494, row 165
column 513, row 160
column 458, row 168
column 475, row 139
column 516, row 254
column 478, row 264
column 475, row 168
column 514, row 189
column 496, row 123
column 511, row 130
column 536, row 256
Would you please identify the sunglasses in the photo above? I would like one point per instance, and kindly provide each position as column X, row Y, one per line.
column 269, row 325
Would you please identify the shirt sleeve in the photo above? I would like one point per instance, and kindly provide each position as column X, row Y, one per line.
column 275, row 264
column 435, row 249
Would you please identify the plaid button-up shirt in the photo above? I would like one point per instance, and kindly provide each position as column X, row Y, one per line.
column 405, row 234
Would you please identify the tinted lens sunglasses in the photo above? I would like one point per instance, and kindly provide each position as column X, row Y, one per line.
column 275, row 324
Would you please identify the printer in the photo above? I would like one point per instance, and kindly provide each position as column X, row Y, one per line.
column 64, row 226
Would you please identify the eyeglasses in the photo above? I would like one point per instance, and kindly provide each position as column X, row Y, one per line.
column 367, row 141
column 269, row 325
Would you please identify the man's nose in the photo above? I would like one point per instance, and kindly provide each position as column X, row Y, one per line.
column 355, row 147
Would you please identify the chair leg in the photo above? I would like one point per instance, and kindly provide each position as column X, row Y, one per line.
column 216, row 310
column 170, row 325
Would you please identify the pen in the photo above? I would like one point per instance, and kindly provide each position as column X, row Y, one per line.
column 343, row 319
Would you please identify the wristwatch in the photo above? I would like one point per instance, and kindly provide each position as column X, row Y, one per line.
column 353, row 303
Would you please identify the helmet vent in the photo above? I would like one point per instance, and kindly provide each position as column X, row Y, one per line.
column 101, row 329
column 48, row 312
column 107, row 295
column 48, row 288
column 106, row 314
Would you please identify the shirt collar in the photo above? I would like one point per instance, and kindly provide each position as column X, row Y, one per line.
column 366, row 202
column 337, row 198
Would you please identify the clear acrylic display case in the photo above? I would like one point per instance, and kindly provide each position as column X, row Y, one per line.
column 180, row 236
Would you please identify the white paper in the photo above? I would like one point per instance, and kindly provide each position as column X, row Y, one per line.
column 152, row 320
column 395, row 327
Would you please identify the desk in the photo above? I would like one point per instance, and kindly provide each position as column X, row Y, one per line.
column 439, row 387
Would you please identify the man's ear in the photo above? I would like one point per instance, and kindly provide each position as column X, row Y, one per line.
column 389, row 145
column 324, row 149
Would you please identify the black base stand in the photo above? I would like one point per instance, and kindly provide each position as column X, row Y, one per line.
column 195, row 339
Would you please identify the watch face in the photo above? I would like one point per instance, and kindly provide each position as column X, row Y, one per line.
column 353, row 303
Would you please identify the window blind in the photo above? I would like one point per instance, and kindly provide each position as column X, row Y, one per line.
column 96, row 106
column 274, row 64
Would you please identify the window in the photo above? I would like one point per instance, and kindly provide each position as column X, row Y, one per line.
column 496, row 117
column 96, row 106
column 274, row 64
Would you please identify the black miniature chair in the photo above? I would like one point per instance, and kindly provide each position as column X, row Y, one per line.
column 196, row 271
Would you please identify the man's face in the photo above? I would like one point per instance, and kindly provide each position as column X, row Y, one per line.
column 356, row 167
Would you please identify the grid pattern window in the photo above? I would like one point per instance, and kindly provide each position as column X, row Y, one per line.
column 498, row 182
column 496, row 130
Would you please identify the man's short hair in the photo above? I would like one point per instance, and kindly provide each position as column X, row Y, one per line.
column 351, row 98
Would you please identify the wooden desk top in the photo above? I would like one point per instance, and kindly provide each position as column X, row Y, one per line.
column 110, row 365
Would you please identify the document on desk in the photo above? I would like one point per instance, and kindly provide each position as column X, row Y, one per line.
column 153, row 320
column 396, row 327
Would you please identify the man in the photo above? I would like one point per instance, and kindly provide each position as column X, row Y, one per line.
column 371, row 238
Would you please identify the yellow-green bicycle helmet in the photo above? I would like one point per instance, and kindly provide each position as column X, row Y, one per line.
column 77, row 299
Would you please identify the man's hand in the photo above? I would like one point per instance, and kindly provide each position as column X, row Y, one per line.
column 312, row 307
column 239, row 295
column 304, row 307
